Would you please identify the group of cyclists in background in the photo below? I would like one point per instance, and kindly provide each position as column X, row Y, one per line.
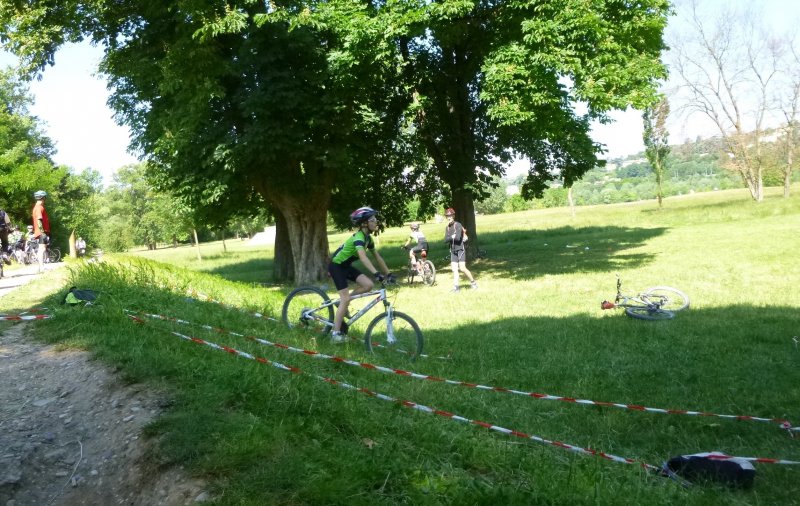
column 32, row 244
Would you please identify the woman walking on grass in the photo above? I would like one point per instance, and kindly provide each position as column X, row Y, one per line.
column 455, row 236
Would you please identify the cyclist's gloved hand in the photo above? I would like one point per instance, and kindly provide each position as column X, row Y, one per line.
column 391, row 279
column 379, row 277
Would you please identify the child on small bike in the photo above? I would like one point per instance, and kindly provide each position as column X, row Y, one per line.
column 341, row 267
column 421, row 244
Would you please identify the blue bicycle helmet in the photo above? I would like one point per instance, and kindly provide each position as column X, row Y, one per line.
column 40, row 194
column 362, row 214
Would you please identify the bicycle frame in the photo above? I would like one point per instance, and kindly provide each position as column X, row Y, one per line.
column 312, row 314
column 640, row 300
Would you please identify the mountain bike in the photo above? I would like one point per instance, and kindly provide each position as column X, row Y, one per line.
column 309, row 307
column 657, row 303
column 52, row 255
column 424, row 269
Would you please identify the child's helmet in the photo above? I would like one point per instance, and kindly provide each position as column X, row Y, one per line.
column 40, row 194
column 450, row 212
column 362, row 214
column 415, row 226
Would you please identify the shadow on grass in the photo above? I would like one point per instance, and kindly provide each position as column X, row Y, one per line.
column 529, row 254
column 249, row 271
column 526, row 254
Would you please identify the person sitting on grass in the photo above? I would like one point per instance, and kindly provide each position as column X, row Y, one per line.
column 341, row 266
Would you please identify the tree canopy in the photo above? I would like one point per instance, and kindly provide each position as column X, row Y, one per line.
column 330, row 105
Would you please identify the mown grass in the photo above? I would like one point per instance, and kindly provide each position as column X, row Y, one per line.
column 264, row 436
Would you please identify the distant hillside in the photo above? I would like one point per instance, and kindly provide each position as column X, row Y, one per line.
column 694, row 166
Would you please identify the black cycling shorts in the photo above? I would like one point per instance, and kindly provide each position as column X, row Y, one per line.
column 342, row 273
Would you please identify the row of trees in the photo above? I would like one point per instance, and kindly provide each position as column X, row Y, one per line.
column 26, row 166
column 311, row 107
column 744, row 78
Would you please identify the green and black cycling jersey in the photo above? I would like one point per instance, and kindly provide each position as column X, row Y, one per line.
column 348, row 252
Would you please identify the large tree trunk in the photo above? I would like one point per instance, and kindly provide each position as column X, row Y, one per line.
column 305, row 218
column 283, row 261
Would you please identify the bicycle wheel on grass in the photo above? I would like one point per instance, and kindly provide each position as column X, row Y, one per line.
column 428, row 273
column 669, row 298
column 406, row 335
column 646, row 313
column 300, row 301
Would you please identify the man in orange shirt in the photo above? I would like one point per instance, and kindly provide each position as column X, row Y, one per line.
column 41, row 225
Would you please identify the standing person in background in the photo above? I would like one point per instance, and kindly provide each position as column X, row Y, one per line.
column 80, row 246
column 41, row 226
column 5, row 228
column 455, row 236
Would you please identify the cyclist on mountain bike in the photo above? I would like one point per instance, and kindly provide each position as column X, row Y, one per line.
column 417, row 237
column 341, row 267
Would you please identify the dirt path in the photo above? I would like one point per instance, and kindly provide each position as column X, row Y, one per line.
column 70, row 432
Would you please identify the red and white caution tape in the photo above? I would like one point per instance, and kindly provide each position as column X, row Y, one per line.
column 419, row 407
column 22, row 317
column 545, row 397
column 206, row 298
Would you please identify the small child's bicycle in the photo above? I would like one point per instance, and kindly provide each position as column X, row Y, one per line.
column 311, row 308
column 424, row 269
column 657, row 303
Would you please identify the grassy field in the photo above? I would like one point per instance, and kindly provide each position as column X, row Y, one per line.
column 266, row 436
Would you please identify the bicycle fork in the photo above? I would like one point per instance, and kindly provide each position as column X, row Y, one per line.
column 390, row 338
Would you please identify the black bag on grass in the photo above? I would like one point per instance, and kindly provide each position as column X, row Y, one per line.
column 75, row 296
column 732, row 471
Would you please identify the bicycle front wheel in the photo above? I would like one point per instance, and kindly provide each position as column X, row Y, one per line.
column 50, row 257
column 428, row 273
column 56, row 254
column 646, row 313
column 668, row 298
column 401, row 333
column 303, row 309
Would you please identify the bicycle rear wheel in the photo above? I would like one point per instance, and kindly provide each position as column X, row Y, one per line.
column 405, row 335
column 301, row 309
column 411, row 273
column 50, row 257
column 428, row 273
column 668, row 298
column 56, row 254
column 646, row 313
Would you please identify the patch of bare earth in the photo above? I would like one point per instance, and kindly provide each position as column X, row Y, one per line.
column 70, row 433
